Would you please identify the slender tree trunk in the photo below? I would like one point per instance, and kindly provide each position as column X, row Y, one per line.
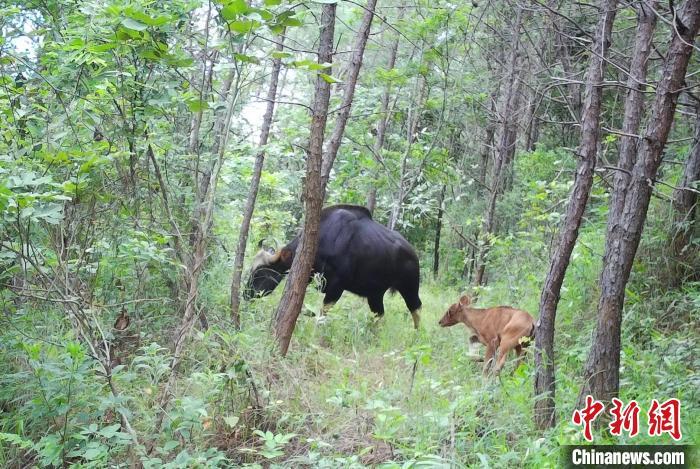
column 319, row 165
column 634, row 106
column 685, row 200
column 414, row 110
column 253, row 190
column 561, row 50
column 383, row 116
column 505, row 150
column 590, row 123
column 295, row 289
column 487, row 149
column 532, row 122
column 438, row 230
column 602, row 370
column 358, row 52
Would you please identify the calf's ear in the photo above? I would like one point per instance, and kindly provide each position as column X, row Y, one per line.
column 465, row 300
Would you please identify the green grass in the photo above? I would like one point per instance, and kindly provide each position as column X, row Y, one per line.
column 347, row 394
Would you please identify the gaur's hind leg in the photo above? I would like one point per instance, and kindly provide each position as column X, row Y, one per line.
column 413, row 303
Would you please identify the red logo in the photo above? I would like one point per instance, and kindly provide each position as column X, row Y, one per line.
column 587, row 415
column 626, row 418
column 662, row 418
column 665, row 418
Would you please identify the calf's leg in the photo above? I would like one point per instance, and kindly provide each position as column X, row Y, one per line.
column 506, row 346
column 491, row 347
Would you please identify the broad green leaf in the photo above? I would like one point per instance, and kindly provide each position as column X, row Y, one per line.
column 133, row 24
column 243, row 26
column 196, row 105
column 281, row 55
column 234, row 9
column 329, row 78
column 246, row 58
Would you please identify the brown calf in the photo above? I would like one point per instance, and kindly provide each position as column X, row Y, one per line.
column 501, row 328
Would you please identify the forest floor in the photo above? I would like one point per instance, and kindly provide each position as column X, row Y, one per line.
column 358, row 391
column 352, row 392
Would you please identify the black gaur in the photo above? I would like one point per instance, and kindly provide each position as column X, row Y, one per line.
column 355, row 253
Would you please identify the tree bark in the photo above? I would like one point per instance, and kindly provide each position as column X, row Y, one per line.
column 487, row 149
column 685, row 205
column 414, row 110
column 348, row 94
column 438, row 230
column 383, row 116
column 602, row 370
column 561, row 50
column 295, row 289
column 634, row 106
column 254, row 185
column 319, row 165
column 505, row 149
column 590, row 123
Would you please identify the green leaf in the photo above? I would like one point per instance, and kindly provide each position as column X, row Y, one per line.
column 110, row 431
column 196, row 105
column 231, row 420
column 310, row 65
column 281, row 55
column 244, row 26
column 93, row 453
column 329, row 78
column 16, row 440
column 133, row 24
column 234, row 9
column 272, row 3
column 170, row 445
column 246, row 58
column 291, row 22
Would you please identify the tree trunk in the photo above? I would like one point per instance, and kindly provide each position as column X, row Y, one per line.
column 634, row 106
column 487, row 150
column 684, row 203
column 414, row 110
column 319, row 165
column 438, row 229
column 253, row 190
column 295, row 289
column 590, row 123
column 348, row 94
column 602, row 370
column 561, row 50
column 506, row 147
column 383, row 116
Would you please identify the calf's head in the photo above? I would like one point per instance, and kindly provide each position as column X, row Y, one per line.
column 266, row 272
column 453, row 315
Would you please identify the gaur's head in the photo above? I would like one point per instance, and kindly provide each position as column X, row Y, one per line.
column 452, row 315
column 266, row 272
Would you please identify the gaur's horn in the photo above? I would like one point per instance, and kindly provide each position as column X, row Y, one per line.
column 264, row 258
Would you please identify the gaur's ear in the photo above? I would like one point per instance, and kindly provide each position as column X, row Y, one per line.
column 465, row 300
column 286, row 256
